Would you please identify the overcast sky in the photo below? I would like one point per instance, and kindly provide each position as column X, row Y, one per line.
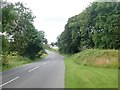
column 52, row 15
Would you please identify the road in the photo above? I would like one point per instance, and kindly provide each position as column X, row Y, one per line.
column 46, row 73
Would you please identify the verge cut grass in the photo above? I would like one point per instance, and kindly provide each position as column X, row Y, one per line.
column 88, row 76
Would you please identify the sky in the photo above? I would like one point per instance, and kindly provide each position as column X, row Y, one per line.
column 52, row 15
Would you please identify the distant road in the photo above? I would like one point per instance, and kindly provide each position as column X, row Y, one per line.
column 47, row 73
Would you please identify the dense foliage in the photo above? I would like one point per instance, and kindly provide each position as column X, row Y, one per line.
column 96, row 27
column 18, row 32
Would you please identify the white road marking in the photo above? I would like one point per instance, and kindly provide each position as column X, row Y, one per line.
column 9, row 81
column 44, row 63
column 33, row 69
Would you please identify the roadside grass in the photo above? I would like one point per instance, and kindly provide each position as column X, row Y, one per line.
column 90, row 76
column 66, row 55
column 80, row 76
column 0, row 63
column 15, row 61
column 54, row 50
column 47, row 47
column 97, row 58
column 57, row 51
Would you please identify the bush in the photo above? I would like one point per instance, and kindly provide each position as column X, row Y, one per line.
column 5, row 61
column 40, row 53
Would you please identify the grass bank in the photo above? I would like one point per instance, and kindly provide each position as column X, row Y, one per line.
column 97, row 58
column 83, row 73
column 15, row 61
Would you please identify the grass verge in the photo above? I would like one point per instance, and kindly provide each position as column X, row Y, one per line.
column 54, row 50
column 97, row 58
column 15, row 61
column 79, row 76
column 85, row 76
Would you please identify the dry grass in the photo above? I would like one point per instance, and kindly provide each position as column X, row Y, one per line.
column 97, row 58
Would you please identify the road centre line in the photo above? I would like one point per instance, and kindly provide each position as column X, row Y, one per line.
column 9, row 81
column 44, row 63
column 33, row 69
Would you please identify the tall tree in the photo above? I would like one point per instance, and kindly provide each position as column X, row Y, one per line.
column 19, row 31
column 96, row 27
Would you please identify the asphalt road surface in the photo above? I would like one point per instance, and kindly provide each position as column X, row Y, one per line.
column 46, row 73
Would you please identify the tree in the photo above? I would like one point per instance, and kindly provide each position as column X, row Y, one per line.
column 52, row 44
column 45, row 41
column 19, row 30
column 96, row 27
